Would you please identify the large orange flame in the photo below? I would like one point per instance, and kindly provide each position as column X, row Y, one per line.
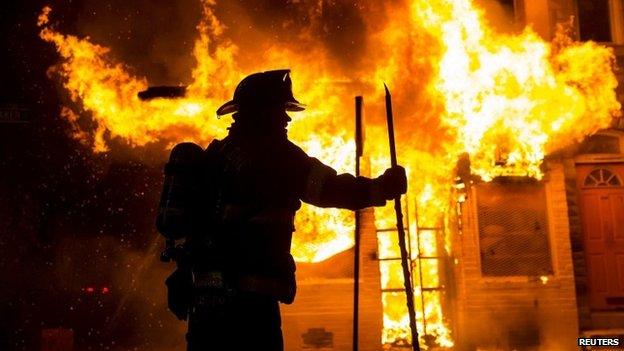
column 460, row 87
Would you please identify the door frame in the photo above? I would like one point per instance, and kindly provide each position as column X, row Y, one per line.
column 582, row 172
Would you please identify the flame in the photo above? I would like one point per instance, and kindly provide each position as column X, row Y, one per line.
column 460, row 88
column 519, row 97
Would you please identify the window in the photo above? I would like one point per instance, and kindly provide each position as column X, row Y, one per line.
column 601, row 144
column 601, row 177
column 594, row 20
column 513, row 229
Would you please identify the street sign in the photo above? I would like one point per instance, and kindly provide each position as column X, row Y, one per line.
column 13, row 113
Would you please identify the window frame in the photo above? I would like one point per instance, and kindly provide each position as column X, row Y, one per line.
column 608, row 186
column 550, row 236
column 616, row 21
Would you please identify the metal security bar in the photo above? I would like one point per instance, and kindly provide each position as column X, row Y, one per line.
column 513, row 229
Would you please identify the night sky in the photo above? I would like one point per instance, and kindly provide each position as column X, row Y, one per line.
column 78, row 246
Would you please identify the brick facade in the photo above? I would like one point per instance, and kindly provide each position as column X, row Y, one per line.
column 484, row 311
column 576, row 241
column 327, row 303
column 502, row 311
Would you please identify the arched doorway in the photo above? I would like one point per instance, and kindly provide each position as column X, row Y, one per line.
column 601, row 190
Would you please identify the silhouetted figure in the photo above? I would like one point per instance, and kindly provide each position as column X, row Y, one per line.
column 235, row 203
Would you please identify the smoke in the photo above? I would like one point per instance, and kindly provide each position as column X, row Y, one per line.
column 118, row 293
column 155, row 38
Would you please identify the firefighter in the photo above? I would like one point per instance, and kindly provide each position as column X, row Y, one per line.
column 255, row 179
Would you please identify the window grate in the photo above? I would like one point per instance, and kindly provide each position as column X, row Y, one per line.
column 513, row 229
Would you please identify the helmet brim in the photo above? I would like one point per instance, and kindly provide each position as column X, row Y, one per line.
column 227, row 108
column 231, row 107
column 294, row 106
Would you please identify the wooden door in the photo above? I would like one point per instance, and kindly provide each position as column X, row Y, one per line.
column 602, row 213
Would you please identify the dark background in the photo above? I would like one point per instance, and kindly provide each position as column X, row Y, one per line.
column 70, row 220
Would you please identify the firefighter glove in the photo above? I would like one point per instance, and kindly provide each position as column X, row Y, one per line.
column 393, row 182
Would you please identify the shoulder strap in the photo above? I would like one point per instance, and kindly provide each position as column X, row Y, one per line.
column 213, row 166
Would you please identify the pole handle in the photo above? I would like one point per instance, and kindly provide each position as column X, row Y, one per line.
column 356, row 247
column 407, row 282
column 390, row 121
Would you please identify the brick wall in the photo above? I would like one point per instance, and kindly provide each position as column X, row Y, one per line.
column 495, row 311
column 576, row 240
column 323, row 303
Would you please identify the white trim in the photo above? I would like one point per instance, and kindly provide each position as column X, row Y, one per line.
column 608, row 169
column 616, row 20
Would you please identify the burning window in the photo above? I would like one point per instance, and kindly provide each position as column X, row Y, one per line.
column 594, row 20
column 513, row 229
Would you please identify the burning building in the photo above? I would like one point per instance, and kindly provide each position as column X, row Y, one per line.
column 511, row 135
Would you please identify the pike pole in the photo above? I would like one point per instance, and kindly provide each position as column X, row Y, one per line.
column 359, row 141
column 409, row 291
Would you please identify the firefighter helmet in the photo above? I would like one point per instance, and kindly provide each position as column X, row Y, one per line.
column 270, row 88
